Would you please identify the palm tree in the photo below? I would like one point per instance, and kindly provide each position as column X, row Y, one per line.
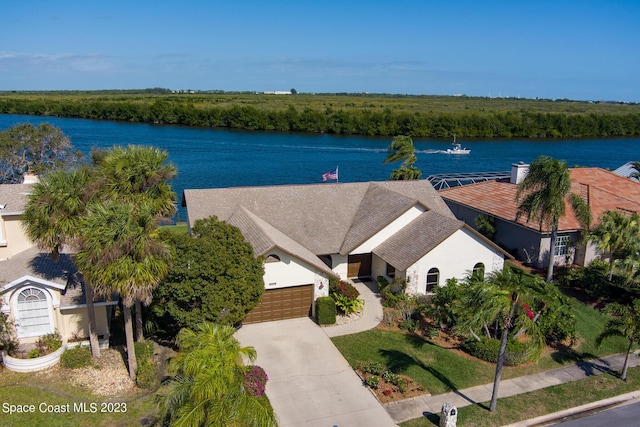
column 614, row 235
column 498, row 300
column 51, row 219
column 208, row 388
column 120, row 254
column 541, row 196
column 636, row 167
column 402, row 149
column 624, row 322
column 138, row 176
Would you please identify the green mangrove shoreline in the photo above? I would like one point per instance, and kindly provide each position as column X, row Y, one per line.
column 355, row 114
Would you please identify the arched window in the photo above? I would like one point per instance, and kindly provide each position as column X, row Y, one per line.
column 33, row 315
column 478, row 270
column 272, row 258
column 433, row 279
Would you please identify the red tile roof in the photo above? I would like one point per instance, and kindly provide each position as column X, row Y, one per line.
column 602, row 189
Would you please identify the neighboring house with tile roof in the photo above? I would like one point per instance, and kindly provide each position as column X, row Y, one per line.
column 308, row 233
column 601, row 189
column 41, row 295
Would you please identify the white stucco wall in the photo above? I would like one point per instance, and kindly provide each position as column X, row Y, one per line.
column 340, row 265
column 388, row 231
column 290, row 271
column 455, row 257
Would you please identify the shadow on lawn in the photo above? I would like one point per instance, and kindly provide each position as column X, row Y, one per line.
column 399, row 362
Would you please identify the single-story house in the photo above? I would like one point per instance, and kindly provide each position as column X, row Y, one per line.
column 602, row 190
column 41, row 295
column 309, row 233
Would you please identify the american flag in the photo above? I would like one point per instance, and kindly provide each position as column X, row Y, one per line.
column 330, row 175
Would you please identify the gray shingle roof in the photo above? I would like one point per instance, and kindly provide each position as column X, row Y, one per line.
column 378, row 208
column 417, row 239
column 264, row 238
column 14, row 196
column 324, row 218
column 32, row 262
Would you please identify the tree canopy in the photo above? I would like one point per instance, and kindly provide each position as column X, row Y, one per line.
column 214, row 277
column 39, row 149
column 541, row 197
column 108, row 213
column 209, row 387
column 402, row 149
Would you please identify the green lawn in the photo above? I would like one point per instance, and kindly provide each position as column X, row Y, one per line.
column 82, row 408
column 440, row 370
column 540, row 402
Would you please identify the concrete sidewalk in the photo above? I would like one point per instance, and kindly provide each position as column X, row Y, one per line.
column 417, row 407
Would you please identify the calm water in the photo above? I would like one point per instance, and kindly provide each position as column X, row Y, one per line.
column 221, row 158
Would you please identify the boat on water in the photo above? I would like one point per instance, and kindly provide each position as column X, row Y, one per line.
column 457, row 148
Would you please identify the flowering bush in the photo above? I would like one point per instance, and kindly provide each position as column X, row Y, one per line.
column 525, row 307
column 386, row 392
column 373, row 382
column 255, row 380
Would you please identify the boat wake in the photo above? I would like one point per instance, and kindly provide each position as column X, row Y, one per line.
column 431, row 152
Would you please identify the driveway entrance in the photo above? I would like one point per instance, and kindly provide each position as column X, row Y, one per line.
column 310, row 383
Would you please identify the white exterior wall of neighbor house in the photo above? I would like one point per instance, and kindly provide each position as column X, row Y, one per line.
column 287, row 272
column 388, row 231
column 455, row 257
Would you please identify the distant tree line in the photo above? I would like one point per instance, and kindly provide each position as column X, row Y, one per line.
column 345, row 121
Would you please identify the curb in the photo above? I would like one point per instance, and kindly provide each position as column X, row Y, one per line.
column 580, row 411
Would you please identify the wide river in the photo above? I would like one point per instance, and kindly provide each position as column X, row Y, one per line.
column 222, row 158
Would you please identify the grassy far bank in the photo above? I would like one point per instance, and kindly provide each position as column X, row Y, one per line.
column 373, row 102
column 348, row 114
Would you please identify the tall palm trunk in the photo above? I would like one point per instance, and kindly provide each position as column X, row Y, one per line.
column 91, row 314
column 552, row 247
column 501, row 355
column 128, row 332
column 625, row 368
column 138, row 312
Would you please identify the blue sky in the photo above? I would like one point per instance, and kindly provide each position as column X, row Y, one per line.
column 586, row 50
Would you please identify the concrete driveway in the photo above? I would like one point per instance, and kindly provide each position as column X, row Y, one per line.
column 310, row 383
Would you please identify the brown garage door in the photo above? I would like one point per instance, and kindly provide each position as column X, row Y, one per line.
column 359, row 266
column 285, row 303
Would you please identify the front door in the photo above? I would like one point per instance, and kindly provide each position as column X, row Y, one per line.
column 359, row 266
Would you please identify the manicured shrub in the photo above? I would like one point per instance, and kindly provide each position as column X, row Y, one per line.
column 402, row 384
column 76, row 357
column 373, row 381
column 144, row 349
column 52, row 341
column 373, row 368
column 326, row 310
column 146, row 374
column 346, row 305
column 382, row 283
column 517, row 352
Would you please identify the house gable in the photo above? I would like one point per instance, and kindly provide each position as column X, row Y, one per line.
column 417, row 239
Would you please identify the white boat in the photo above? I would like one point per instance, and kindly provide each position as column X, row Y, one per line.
column 457, row 148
